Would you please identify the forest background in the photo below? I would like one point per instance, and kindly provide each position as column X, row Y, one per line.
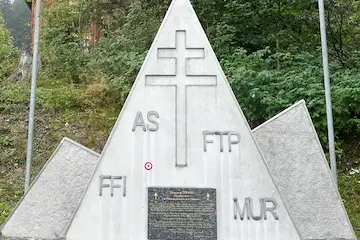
column 269, row 49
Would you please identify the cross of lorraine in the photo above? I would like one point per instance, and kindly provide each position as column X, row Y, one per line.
column 181, row 80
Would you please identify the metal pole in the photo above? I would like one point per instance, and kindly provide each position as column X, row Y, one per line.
column 32, row 97
column 327, row 91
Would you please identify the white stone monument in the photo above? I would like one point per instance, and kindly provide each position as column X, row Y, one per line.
column 297, row 161
column 285, row 163
column 46, row 210
column 181, row 161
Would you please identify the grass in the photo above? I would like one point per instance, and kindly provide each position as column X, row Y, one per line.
column 60, row 111
column 349, row 183
column 350, row 191
column 86, row 114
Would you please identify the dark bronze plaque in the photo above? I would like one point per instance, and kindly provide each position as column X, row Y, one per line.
column 182, row 213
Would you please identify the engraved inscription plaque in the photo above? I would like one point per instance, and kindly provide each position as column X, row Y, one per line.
column 182, row 213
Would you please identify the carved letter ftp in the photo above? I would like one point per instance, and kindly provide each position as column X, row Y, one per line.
column 233, row 138
column 181, row 80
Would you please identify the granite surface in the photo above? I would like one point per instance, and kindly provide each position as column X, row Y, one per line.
column 47, row 208
column 182, row 213
column 296, row 160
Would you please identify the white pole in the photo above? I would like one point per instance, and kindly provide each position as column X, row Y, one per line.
column 327, row 91
column 32, row 97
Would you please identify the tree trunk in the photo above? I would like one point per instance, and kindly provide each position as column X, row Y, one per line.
column 23, row 71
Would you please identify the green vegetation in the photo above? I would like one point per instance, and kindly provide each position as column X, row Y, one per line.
column 269, row 51
column 61, row 110
column 17, row 19
column 8, row 54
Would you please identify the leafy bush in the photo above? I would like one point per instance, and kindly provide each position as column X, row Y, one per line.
column 59, row 98
column 263, row 88
column 61, row 50
column 8, row 54
column 14, row 94
column 125, row 43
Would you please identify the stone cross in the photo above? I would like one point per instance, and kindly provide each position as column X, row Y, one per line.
column 181, row 80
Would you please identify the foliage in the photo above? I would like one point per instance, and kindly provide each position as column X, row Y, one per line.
column 255, row 25
column 8, row 54
column 349, row 185
column 343, row 18
column 13, row 94
column 61, row 46
column 263, row 89
column 57, row 115
column 117, row 58
column 17, row 20
column 6, row 201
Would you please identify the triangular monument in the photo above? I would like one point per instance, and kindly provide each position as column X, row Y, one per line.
column 181, row 161
column 296, row 159
column 46, row 209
